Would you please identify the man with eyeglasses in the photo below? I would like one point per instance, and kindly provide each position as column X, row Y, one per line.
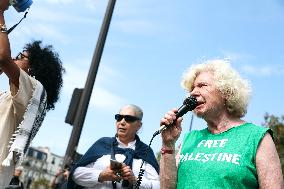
column 95, row 171
column 35, row 79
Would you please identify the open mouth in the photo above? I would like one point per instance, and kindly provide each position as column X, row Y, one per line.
column 200, row 103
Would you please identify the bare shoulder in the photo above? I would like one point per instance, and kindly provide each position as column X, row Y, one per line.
column 268, row 165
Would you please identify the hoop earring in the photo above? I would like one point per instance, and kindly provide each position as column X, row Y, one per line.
column 30, row 70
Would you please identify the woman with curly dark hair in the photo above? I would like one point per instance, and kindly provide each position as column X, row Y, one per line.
column 35, row 79
column 46, row 67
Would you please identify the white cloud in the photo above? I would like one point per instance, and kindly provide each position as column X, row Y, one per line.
column 95, row 5
column 48, row 30
column 264, row 70
column 130, row 17
column 59, row 1
column 89, row 4
column 135, row 26
column 53, row 16
column 101, row 97
column 44, row 23
column 260, row 70
column 105, row 99
column 73, row 78
column 235, row 57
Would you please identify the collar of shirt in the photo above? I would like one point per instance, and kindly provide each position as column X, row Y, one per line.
column 130, row 144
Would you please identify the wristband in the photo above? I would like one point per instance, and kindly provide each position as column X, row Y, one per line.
column 167, row 151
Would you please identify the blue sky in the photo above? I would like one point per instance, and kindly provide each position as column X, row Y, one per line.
column 149, row 45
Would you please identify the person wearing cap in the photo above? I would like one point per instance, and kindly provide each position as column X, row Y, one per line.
column 94, row 170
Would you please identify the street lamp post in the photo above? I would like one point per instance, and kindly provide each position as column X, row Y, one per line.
column 84, row 99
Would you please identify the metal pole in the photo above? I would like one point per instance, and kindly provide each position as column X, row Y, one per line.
column 87, row 91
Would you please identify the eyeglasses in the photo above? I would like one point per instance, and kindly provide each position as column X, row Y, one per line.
column 127, row 118
column 21, row 56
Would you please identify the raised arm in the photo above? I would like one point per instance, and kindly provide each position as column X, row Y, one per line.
column 7, row 65
column 168, row 168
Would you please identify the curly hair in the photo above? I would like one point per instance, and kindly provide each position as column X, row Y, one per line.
column 46, row 67
column 235, row 90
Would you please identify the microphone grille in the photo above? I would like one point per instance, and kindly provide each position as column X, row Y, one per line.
column 190, row 102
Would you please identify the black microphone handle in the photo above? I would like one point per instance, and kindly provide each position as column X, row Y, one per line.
column 188, row 105
column 182, row 110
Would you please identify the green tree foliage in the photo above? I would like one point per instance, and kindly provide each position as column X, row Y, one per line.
column 276, row 124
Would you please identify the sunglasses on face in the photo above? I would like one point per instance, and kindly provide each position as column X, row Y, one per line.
column 127, row 118
column 21, row 56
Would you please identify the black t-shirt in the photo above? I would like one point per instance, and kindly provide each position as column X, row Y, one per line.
column 15, row 181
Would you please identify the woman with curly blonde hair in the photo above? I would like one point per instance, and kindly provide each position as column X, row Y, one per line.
column 230, row 152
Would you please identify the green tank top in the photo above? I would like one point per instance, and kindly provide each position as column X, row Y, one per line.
column 224, row 160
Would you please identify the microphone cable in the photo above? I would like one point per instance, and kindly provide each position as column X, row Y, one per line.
column 141, row 172
column 189, row 104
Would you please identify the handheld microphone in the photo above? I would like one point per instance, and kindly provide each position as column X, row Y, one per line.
column 188, row 105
